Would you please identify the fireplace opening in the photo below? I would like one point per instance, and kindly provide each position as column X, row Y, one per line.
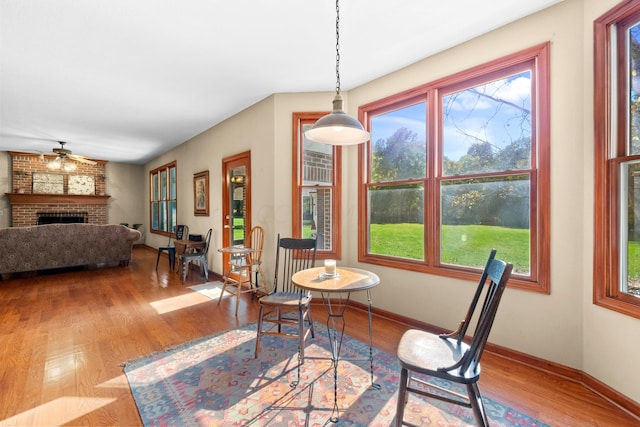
column 62, row 217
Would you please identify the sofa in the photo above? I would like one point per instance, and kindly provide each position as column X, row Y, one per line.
column 43, row 247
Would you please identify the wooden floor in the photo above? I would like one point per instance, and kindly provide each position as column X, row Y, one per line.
column 65, row 335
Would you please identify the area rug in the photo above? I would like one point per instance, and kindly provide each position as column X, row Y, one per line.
column 211, row 290
column 216, row 381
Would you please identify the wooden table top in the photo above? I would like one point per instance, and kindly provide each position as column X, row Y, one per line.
column 348, row 280
column 236, row 250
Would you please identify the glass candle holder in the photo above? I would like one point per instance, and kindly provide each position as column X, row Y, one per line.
column 330, row 267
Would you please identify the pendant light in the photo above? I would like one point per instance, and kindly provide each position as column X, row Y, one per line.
column 338, row 128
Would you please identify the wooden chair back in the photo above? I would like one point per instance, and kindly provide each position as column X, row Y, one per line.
column 492, row 284
column 292, row 255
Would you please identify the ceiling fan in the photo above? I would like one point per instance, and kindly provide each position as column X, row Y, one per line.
column 64, row 154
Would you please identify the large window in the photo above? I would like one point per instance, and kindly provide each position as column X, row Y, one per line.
column 617, row 159
column 316, row 188
column 459, row 166
column 163, row 203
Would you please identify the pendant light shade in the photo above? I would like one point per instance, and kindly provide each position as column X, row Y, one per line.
column 338, row 128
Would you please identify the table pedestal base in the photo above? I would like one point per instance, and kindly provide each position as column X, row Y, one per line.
column 335, row 331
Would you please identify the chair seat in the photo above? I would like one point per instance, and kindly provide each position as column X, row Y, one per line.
column 242, row 263
column 291, row 299
column 427, row 353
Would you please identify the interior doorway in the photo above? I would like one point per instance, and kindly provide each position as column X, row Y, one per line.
column 236, row 200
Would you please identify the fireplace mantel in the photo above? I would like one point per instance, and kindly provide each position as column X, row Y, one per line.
column 56, row 199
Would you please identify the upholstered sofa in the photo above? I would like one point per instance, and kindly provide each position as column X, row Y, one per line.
column 42, row 247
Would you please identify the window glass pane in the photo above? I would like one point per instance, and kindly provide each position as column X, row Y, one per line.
column 317, row 163
column 398, row 144
column 630, row 215
column 163, row 185
column 634, row 87
column 154, row 185
column 154, row 216
column 480, row 214
column 172, row 216
column 396, row 220
column 172, row 183
column 316, row 215
column 487, row 128
column 162, row 221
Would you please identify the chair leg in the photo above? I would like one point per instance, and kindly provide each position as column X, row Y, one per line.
column 476, row 404
column 402, row 397
column 224, row 288
column 172, row 258
column 259, row 335
column 205, row 268
column 184, row 265
column 310, row 320
column 158, row 259
column 238, row 298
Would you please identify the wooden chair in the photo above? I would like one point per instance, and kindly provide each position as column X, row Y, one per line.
column 288, row 305
column 447, row 356
column 181, row 231
column 187, row 258
column 242, row 269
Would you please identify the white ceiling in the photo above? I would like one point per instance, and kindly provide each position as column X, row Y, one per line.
column 127, row 80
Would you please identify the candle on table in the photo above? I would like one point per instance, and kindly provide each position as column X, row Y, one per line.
column 330, row 266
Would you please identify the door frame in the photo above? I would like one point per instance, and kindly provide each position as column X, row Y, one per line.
column 228, row 164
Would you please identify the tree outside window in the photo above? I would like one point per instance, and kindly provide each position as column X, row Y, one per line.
column 459, row 166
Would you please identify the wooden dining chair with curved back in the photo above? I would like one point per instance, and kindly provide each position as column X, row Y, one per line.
column 286, row 310
column 187, row 258
column 242, row 270
column 446, row 356
column 181, row 232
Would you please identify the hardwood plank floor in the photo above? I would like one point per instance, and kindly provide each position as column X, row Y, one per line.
column 65, row 335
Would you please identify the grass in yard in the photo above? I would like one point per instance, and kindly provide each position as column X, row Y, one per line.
column 467, row 245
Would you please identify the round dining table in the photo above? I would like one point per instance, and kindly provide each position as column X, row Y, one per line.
column 335, row 291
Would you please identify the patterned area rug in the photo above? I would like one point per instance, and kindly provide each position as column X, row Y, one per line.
column 216, row 381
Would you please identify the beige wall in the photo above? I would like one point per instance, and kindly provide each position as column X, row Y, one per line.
column 125, row 184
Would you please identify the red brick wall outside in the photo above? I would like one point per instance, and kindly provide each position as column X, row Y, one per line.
column 317, row 167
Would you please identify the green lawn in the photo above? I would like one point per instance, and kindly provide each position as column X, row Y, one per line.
column 634, row 260
column 467, row 245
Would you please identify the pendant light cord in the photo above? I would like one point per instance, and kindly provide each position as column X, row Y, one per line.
column 337, row 48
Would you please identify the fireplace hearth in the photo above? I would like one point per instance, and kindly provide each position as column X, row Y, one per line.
column 62, row 217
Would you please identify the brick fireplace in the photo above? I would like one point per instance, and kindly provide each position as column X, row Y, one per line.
column 27, row 205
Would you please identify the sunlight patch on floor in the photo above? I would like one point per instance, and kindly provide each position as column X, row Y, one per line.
column 118, row 382
column 211, row 290
column 58, row 412
column 176, row 303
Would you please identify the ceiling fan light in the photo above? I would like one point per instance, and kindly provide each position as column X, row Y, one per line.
column 338, row 128
column 54, row 164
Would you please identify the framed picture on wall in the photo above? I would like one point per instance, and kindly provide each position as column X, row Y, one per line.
column 201, row 193
column 48, row 183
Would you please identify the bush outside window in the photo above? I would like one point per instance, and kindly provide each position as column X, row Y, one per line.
column 457, row 167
